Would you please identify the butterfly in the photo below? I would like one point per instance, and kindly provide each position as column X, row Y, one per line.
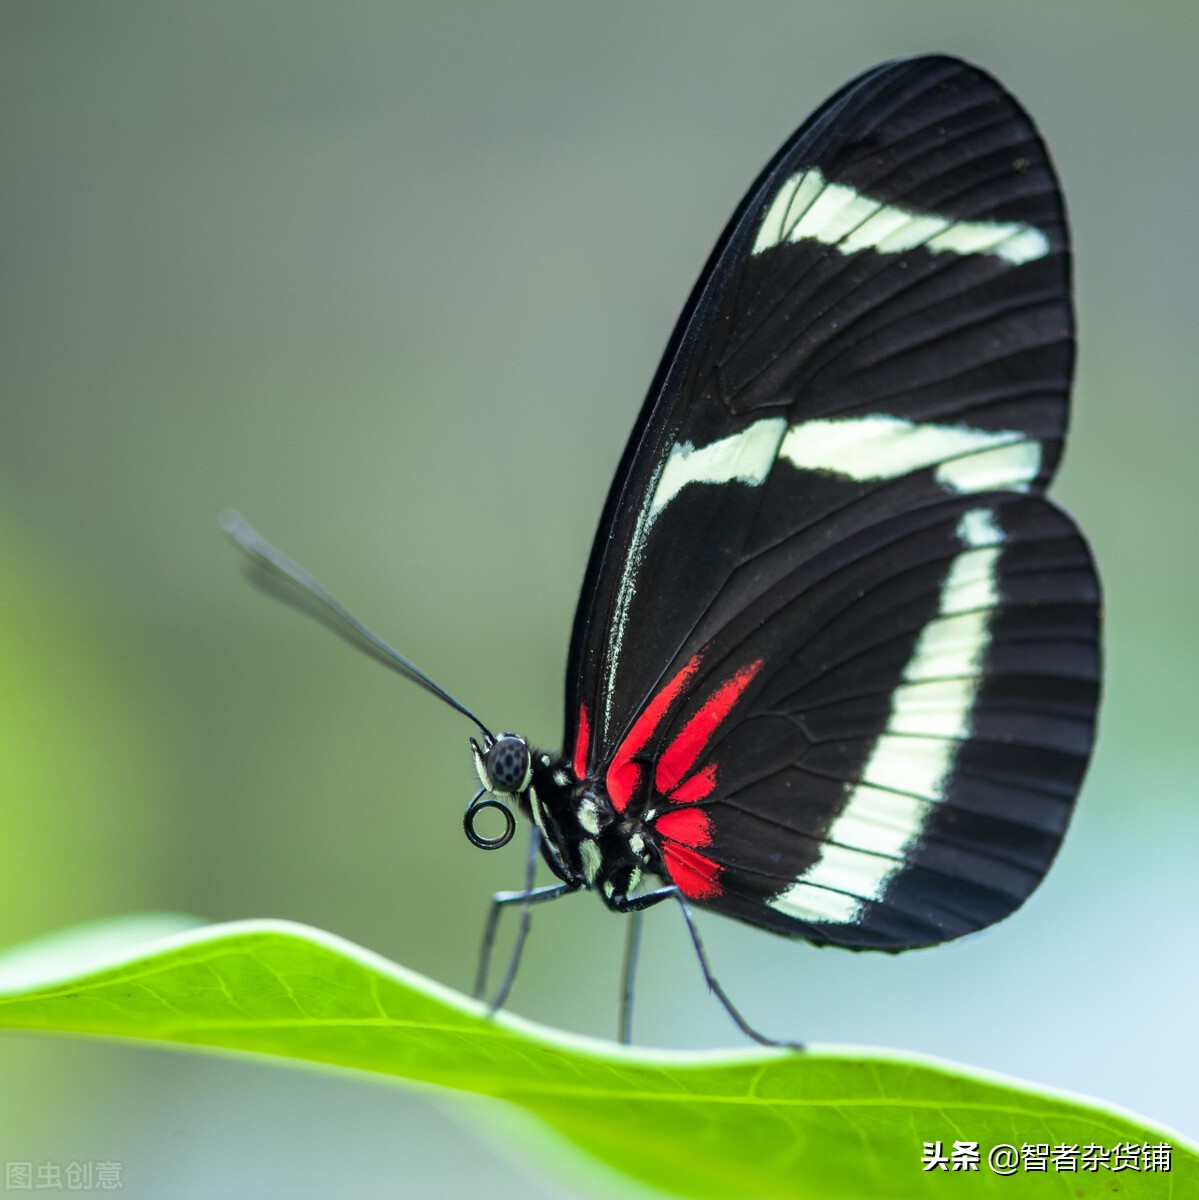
column 835, row 665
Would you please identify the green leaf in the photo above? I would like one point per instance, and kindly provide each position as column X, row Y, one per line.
column 833, row 1122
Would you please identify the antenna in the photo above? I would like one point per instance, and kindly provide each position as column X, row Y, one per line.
column 303, row 592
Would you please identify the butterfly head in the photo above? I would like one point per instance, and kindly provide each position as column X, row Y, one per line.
column 504, row 765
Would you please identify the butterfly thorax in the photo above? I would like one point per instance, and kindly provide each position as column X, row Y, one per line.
column 586, row 842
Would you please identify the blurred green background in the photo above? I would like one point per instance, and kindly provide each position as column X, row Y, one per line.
column 392, row 279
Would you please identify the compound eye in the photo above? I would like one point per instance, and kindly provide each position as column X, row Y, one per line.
column 508, row 764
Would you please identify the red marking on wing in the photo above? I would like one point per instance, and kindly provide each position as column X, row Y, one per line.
column 624, row 774
column 694, row 875
column 682, row 830
column 690, row 826
column 681, row 754
column 700, row 785
column 582, row 743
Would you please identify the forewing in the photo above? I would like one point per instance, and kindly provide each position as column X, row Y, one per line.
column 881, row 341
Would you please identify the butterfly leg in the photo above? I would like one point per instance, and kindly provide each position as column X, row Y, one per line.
column 710, row 979
column 526, row 898
column 634, row 906
column 499, row 901
column 632, row 947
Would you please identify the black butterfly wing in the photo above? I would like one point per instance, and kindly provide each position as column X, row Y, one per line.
column 833, row 646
